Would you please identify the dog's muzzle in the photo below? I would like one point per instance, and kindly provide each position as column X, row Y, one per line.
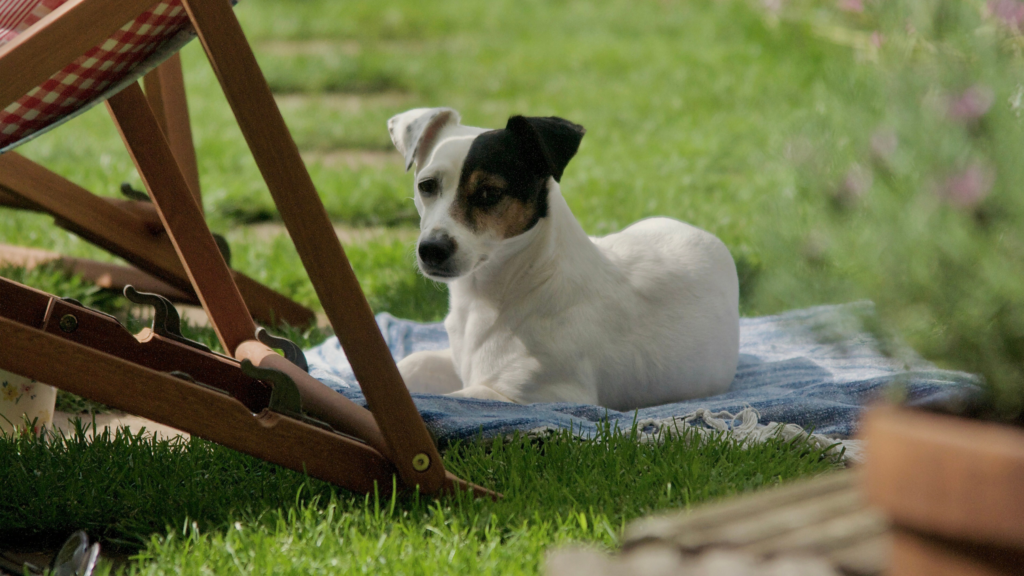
column 436, row 254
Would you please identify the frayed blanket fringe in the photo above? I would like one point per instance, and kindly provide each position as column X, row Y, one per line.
column 743, row 427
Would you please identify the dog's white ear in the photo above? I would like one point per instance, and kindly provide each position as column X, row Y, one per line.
column 415, row 132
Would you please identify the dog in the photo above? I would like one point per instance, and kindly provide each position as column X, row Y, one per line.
column 539, row 311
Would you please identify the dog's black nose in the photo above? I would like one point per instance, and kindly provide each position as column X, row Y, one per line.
column 435, row 251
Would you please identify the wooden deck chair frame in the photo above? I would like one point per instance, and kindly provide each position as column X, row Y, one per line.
column 129, row 228
column 392, row 438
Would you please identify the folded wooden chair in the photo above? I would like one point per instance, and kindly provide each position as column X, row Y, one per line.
column 128, row 228
column 253, row 400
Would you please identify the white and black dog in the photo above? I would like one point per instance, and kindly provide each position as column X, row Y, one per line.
column 539, row 311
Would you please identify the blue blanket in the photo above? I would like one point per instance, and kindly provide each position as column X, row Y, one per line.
column 807, row 367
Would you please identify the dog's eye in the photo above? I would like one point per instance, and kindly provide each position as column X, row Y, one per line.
column 428, row 187
column 487, row 196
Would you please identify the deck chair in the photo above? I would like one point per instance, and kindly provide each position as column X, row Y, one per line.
column 253, row 400
column 128, row 228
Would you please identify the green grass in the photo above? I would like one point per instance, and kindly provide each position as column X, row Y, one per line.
column 690, row 108
column 194, row 507
column 701, row 110
column 385, row 267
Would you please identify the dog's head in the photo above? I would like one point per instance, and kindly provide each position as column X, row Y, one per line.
column 476, row 189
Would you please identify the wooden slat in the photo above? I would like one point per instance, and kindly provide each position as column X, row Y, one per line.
column 826, row 517
column 770, row 523
column 155, row 96
column 105, row 334
column 194, row 409
column 143, row 211
column 182, row 218
column 823, row 535
column 179, row 127
column 867, row 558
column 58, row 39
column 125, row 229
column 310, row 228
column 102, row 274
column 714, row 515
column 23, row 304
column 14, row 201
column 165, row 90
column 92, row 217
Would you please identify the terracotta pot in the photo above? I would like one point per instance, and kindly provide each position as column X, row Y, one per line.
column 953, row 489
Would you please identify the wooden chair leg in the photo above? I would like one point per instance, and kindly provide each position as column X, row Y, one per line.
column 209, row 273
column 182, row 218
column 307, row 222
column 165, row 90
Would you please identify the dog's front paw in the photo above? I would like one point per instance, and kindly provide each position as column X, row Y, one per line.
column 482, row 393
column 430, row 372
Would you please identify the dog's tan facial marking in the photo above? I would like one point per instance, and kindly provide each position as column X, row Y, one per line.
column 484, row 204
column 513, row 218
column 482, row 186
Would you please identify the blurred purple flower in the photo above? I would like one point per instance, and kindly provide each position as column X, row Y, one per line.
column 857, row 182
column 972, row 104
column 851, row 5
column 855, row 185
column 877, row 39
column 773, row 6
column 1010, row 12
column 884, row 143
column 970, row 186
column 799, row 150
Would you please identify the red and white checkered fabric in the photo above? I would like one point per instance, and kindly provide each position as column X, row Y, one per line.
column 87, row 77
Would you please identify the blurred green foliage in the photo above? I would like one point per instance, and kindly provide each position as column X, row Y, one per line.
column 919, row 208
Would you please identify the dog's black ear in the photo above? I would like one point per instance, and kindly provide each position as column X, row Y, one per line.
column 546, row 142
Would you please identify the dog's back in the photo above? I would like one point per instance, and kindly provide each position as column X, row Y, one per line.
column 684, row 338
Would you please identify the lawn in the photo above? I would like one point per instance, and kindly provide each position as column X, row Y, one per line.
column 198, row 508
column 694, row 110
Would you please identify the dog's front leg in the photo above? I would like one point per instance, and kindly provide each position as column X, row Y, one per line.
column 430, row 372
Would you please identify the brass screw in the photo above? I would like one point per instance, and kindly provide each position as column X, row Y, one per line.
column 68, row 323
column 420, row 462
